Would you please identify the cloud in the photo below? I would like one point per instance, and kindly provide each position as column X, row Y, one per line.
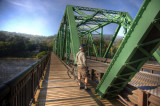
column 47, row 14
column 136, row 3
column 130, row 6
column 19, row 3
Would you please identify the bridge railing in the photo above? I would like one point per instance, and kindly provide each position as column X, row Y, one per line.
column 151, row 68
column 154, row 69
column 131, row 95
column 20, row 90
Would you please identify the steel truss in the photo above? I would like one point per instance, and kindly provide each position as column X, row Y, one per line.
column 142, row 39
column 140, row 43
column 79, row 22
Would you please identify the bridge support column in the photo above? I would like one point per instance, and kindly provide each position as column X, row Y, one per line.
column 110, row 44
column 101, row 42
column 94, row 46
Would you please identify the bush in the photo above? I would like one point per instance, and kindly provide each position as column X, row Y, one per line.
column 41, row 54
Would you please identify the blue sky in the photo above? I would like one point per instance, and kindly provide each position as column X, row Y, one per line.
column 43, row 17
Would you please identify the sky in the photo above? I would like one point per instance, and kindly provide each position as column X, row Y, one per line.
column 43, row 17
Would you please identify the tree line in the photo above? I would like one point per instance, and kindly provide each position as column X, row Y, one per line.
column 106, row 40
column 23, row 45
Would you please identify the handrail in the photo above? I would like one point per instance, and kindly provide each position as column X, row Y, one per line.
column 147, row 66
column 20, row 90
column 150, row 67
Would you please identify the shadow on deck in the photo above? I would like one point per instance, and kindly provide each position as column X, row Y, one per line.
column 58, row 89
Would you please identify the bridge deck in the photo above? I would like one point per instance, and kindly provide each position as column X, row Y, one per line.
column 58, row 89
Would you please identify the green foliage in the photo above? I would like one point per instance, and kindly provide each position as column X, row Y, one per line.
column 12, row 45
column 41, row 54
column 47, row 44
column 106, row 41
column 23, row 45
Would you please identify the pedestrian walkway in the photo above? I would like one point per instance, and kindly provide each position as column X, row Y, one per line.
column 58, row 89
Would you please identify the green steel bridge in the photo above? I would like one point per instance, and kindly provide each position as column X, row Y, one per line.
column 141, row 40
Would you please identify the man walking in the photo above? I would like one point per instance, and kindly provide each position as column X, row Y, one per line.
column 82, row 66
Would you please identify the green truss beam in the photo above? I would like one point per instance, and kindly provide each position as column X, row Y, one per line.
column 93, row 43
column 139, row 44
column 111, row 42
column 73, row 31
column 101, row 43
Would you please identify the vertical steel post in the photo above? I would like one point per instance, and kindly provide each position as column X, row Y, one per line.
column 94, row 46
column 63, row 42
column 67, row 45
column 101, row 42
column 111, row 42
column 89, row 44
column 60, row 44
column 56, row 46
column 57, row 53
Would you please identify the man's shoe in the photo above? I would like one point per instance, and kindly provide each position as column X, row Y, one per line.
column 81, row 87
column 87, row 89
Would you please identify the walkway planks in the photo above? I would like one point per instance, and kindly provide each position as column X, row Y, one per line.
column 58, row 89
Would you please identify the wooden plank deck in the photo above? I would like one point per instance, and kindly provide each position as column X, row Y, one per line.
column 58, row 89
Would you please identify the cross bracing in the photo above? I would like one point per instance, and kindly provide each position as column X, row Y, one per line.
column 79, row 22
column 141, row 41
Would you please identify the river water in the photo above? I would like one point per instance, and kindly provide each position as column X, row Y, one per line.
column 10, row 67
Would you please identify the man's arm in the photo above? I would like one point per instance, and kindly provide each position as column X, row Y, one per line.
column 76, row 59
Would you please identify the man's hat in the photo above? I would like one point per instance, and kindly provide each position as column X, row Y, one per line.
column 82, row 46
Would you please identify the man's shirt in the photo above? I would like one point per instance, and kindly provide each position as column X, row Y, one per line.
column 81, row 59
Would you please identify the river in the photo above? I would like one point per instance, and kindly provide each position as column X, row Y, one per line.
column 10, row 67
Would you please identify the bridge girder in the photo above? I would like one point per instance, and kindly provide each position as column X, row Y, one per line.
column 136, row 48
column 140, row 43
column 79, row 22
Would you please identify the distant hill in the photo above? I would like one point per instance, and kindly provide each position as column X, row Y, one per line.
column 14, row 44
column 33, row 38
column 107, row 37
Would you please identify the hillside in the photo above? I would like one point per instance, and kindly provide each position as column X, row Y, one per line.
column 22, row 45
